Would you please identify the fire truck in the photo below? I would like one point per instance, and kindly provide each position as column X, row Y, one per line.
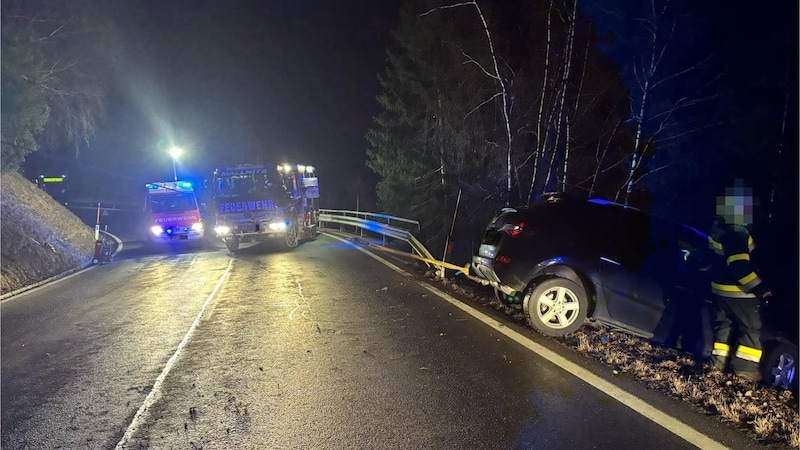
column 172, row 213
column 265, row 202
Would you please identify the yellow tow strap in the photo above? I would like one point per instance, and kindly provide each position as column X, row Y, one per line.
column 464, row 270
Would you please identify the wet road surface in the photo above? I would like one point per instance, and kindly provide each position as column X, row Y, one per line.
column 317, row 347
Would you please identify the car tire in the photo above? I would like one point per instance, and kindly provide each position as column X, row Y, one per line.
column 779, row 367
column 556, row 306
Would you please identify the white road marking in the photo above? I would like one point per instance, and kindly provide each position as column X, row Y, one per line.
column 633, row 402
column 155, row 392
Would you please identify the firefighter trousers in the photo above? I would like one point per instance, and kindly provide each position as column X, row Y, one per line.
column 737, row 336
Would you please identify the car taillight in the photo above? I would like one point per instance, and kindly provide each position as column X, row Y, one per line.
column 513, row 229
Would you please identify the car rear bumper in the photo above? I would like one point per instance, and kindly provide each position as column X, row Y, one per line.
column 483, row 268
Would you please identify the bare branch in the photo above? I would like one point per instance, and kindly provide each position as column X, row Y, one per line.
column 472, row 60
column 454, row 5
column 657, row 169
column 685, row 133
column 497, row 94
column 682, row 72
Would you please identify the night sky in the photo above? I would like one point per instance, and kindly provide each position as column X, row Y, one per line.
column 246, row 81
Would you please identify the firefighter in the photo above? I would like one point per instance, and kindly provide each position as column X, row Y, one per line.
column 736, row 287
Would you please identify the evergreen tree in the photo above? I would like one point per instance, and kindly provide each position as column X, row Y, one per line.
column 425, row 143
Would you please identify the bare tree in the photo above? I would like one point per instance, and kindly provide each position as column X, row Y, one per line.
column 564, row 114
column 649, row 74
column 494, row 74
column 539, row 140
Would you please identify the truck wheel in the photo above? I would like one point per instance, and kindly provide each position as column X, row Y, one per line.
column 292, row 237
column 232, row 243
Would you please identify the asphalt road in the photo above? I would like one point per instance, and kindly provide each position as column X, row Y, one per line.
column 319, row 347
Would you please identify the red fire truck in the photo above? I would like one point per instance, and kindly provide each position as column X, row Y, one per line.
column 172, row 213
column 257, row 203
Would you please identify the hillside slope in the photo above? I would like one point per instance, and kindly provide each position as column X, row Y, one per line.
column 40, row 237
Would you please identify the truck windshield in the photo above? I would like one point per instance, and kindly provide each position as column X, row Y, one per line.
column 174, row 202
column 247, row 185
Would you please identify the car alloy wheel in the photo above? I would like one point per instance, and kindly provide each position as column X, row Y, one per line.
column 556, row 306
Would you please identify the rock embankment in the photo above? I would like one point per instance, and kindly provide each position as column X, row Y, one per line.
column 40, row 237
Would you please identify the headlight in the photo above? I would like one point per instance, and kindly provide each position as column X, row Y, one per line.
column 197, row 226
column 222, row 229
column 277, row 226
column 156, row 230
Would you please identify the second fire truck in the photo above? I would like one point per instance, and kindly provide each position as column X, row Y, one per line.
column 261, row 202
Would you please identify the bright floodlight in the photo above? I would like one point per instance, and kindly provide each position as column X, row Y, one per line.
column 175, row 152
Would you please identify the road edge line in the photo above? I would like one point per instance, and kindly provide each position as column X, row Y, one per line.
column 155, row 390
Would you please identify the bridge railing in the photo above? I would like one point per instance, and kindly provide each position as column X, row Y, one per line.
column 389, row 227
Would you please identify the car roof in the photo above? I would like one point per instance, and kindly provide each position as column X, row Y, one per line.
column 562, row 199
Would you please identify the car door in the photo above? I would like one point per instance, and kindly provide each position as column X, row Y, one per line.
column 689, row 293
column 635, row 261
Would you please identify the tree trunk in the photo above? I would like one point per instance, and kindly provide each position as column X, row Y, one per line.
column 564, row 108
column 540, row 141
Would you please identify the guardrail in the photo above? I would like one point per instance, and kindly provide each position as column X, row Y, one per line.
column 377, row 223
column 382, row 224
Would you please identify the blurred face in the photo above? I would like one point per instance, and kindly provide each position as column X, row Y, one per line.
column 736, row 206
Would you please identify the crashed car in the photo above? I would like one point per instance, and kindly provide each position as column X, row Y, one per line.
column 566, row 261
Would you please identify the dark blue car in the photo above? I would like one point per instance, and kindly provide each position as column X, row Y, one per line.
column 569, row 260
